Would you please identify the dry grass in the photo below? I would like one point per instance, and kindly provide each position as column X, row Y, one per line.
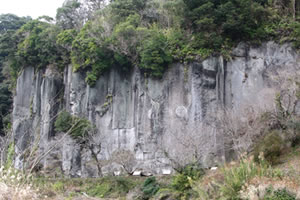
column 290, row 164
column 257, row 187
column 17, row 193
column 27, row 193
column 253, row 186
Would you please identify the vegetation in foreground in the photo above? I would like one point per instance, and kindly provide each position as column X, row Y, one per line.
column 243, row 179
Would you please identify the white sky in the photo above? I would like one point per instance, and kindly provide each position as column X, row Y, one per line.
column 33, row 8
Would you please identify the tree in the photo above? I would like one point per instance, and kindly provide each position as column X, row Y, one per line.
column 234, row 19
column 92, row 6
column 9, row 24
column 91, row 52
column 64, row 41
column 125, row 38
column 154, row 54
column 287, row 98
column 94, row 142
column 70, row 15
column 193, row 144
column 121, row 9
column 173, row 11
column 126, row 159
column 240, row 129
column 37, row 44
column 84, row 133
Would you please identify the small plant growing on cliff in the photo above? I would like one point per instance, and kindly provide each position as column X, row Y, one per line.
column 63, row 122
column 77, row 127
column 10, row 155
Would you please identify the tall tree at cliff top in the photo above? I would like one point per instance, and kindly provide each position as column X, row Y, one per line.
column 70, row 15
column 9, row 24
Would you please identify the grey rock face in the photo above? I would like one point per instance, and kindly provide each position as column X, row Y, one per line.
column 248, row 75
column 135, row 113
column 35, row 104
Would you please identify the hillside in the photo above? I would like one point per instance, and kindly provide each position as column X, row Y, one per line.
column 170, row 88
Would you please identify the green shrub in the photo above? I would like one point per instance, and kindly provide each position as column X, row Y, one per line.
column 80, row 128
column 154, row 54
column 110, row 187
column 280, row 194
column 10, row 155
column 91, row 79
column 92, row 54
column 182, row 182
column 100, row 190
column 177, row 41
column 64, row 43
column 66, row 37
column 150, row 188
column 37, row 44
column 123, row 185
column 271, row 146
column 58, row 186
column 194, row 171
column 77, row 127
column 63, row 122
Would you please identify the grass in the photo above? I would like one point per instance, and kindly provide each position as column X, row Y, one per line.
column 231, row 181
column 106, row 187
column 236, row 177
column 58, row 186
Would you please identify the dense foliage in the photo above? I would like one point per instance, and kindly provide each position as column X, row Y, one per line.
column 9, row 24
column 37, row 45
column 96, row 36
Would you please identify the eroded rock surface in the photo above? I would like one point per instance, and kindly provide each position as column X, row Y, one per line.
column 137, row 113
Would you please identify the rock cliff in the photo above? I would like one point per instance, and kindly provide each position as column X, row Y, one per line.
column 139, row 114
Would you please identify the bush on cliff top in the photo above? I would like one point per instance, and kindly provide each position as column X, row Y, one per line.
column 149, row 34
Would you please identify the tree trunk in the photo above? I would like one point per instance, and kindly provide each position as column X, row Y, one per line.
column 294, row 8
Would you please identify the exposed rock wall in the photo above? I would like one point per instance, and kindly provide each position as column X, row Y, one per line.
column 136, row 113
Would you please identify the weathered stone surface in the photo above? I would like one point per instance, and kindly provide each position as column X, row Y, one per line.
column 248, row 75
column 134, row 113
column 35, row 105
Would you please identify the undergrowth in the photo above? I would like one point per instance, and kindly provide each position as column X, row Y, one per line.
column 280, row 194
column 236, row 177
